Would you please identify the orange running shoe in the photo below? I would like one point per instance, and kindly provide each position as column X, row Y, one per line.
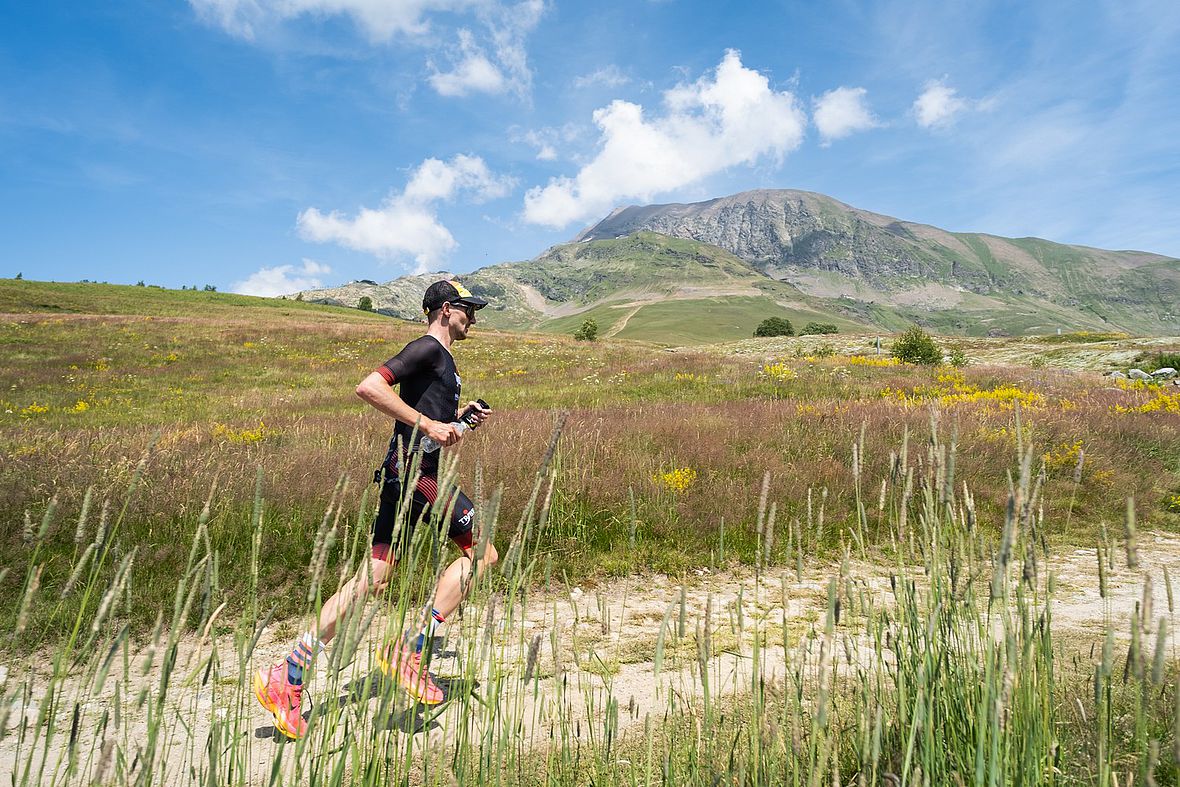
column 282, row 698
column 404, row 664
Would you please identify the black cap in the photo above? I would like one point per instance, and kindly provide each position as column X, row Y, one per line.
column 449, row 292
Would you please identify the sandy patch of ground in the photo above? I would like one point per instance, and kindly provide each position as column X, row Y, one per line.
column 536, row 301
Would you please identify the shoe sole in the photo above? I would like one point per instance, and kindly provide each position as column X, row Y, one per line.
column 264, row 701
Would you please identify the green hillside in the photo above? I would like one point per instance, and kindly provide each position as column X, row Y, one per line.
column 648, row 287
column 19, row 296
column 643, row 261
column 685, row 321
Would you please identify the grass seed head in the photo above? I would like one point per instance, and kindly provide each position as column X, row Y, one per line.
column 79, row 567
column 1101, row 571
column 26, row 603
column 531, row 661
column 1132, row 542
column 80, row 530
column 1159, row 660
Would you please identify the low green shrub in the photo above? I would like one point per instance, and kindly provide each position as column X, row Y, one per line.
column 818, row 328
column 917, row 346
column 775, row 326
column 587, row 331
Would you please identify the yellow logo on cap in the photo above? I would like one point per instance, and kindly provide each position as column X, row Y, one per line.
column 463, row 291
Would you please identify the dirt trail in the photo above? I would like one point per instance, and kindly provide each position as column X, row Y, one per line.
column 621, row 323
column 595, row 651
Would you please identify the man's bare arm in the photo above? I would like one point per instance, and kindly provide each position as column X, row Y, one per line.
column 374, row 390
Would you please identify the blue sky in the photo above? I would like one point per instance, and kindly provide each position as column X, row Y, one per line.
column 270, row 145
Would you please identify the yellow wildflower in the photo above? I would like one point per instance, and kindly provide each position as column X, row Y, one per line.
column 1062, row 458
column 1160, row 402
column 242, row 436
column 677, row 480
column 995, row 434
column 864, row 360
column 1005, row 396
column 778, row 372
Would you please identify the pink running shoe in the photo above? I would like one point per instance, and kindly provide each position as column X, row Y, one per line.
column 282, row 698
column 404, row 664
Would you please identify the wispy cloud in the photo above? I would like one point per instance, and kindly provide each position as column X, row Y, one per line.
column 488, row 57
column 500, row 62
column 282, row 279
column 607, row 76
column 407, row 224
column 472, row 71
column 728, row 117
column 547, row 141
column 509, row 27
column 841, row 112
column 379, row 19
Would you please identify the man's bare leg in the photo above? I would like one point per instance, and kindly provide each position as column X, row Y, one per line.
column 453, row 586
column 368, row 580
column 457, row 581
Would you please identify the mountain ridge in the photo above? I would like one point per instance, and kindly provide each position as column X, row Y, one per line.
column 822, row 258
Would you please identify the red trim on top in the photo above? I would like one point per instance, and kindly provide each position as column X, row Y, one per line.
column 464, row 540
column 385, row 374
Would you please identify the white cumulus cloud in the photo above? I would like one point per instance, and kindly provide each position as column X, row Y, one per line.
column 938, row 105
column 841, row 112
column 282, row 279
column 406, row 223
column 728, row 117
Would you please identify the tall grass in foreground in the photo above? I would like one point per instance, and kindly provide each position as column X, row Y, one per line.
column 932, row 660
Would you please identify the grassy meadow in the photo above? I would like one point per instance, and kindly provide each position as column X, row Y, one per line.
column 175, row 462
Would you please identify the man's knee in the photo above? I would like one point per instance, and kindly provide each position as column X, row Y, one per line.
column 490, row 555
column 373, row 578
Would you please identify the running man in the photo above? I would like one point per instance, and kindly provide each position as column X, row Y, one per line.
column 429, row 399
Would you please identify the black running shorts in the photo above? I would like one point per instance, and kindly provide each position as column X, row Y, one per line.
column 424, row 498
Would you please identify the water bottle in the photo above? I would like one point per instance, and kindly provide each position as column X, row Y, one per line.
column 466, row 421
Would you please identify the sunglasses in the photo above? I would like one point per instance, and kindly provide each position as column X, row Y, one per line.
column 466, row 308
